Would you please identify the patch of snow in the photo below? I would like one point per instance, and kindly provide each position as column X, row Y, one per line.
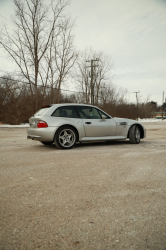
column 151, row 120
column 22, row 125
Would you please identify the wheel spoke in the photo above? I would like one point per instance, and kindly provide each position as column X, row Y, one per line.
column 69, row 137
column 62, row 137
column 65, row 133
column 64, row 142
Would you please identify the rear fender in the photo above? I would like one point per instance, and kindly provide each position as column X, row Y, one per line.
column 71, row 126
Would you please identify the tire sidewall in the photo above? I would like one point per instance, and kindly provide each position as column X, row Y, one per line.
column 132, row 135
column 137, row 141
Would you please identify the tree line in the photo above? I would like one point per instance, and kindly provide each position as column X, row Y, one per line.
column 16, row 103
column 42, row 47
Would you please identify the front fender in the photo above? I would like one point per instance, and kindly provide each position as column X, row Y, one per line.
column 141, row 127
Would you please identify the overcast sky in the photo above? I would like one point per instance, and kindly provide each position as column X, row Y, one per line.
column 133, row 32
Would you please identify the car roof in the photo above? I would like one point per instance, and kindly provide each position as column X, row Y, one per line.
column 72, row 104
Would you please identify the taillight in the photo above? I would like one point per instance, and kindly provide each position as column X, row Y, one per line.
column 42, row 124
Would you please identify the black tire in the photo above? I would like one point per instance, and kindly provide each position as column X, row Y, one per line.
column 134, row 134
column 65, row 137
column 47, row 142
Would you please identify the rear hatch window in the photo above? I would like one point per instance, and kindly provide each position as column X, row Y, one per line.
column 41, row 111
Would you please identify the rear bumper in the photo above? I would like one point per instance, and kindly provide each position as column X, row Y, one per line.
column 41, row 134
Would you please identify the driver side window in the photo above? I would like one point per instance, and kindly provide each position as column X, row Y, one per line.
column 102, row 113
column 88, row 112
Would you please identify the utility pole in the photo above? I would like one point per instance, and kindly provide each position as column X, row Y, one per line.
column 163, row 105
column 91, row 76
column 137, row 102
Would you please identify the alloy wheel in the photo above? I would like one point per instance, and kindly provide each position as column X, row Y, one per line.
column 67, row 138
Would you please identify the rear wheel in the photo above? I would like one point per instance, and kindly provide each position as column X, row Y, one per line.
column 134, row 134
column 47, row 142
column 65, row 137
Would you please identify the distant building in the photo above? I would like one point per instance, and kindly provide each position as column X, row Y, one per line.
column 158, row 115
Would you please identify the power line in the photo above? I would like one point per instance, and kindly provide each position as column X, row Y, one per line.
column 15, row 23
column 7, row 19
column 20, row 74
column 4, row 57
column 17, row 73
column 99, row 97
column 6, row 28
column 5, row 78
column 14, row 72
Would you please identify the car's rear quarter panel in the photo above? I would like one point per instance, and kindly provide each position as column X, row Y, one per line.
column 62, row 121
column 47, row 134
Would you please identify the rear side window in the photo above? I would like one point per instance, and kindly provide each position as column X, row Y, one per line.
column 40, row 112
column 69, row 112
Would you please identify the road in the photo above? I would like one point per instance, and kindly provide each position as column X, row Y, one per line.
column 109, row 195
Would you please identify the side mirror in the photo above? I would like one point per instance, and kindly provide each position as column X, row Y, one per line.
column 103, row 117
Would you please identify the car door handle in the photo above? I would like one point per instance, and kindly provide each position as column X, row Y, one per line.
column 88, row 123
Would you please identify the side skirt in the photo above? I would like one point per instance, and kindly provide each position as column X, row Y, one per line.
column 104, row 138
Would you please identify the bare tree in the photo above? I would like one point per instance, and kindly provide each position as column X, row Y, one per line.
column 101, row 77
column 60, row 57
column 32, row 37
column 13, row 100
column 108, row 93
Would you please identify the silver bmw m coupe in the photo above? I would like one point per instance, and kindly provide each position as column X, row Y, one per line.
column 66, row 124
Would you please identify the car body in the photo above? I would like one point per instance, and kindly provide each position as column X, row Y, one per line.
column 65, row 124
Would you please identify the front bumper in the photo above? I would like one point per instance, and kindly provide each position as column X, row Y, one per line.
column 41, row 134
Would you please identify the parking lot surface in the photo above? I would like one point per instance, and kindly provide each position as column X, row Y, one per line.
column 106, row 195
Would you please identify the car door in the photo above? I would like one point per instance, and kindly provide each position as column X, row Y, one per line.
column 93, row 123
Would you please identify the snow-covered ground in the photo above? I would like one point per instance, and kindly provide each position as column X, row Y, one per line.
column 26, row 125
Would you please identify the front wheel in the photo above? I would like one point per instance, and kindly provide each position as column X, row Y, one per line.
column 65, row 137
column 134, row 134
